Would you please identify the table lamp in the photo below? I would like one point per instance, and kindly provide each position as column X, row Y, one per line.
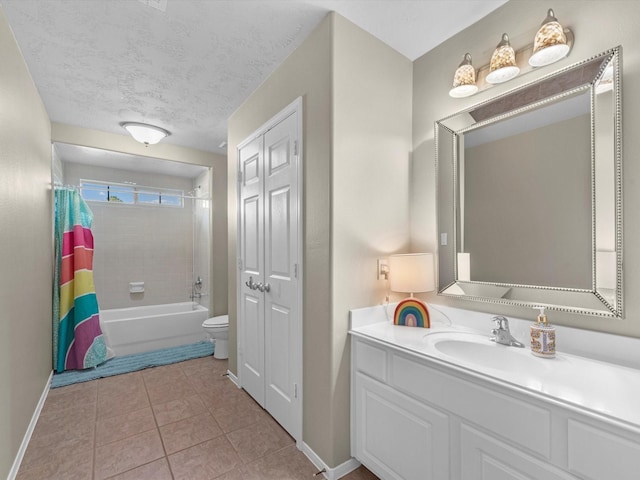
column 411, row 273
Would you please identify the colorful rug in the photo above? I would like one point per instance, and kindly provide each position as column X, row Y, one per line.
column 132, row 363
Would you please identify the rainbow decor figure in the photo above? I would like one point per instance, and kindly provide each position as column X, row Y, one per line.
column 412, row 312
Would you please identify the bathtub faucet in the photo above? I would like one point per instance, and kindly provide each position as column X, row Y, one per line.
column 196, row 291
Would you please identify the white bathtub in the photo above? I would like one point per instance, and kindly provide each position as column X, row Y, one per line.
column 142, row 329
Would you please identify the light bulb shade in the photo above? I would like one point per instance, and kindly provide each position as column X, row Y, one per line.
column 550, row 43
column 411, row 273
column 143, row 133
column 464, row 80
column 503, row 62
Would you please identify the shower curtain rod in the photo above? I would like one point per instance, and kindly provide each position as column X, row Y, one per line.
column 116, row 190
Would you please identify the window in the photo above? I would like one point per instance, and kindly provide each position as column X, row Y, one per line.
column 96, row 191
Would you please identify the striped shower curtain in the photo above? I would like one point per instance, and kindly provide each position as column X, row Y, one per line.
column 77, row 338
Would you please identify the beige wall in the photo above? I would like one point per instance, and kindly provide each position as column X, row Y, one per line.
column 219, row 248
column 306, row 73
column 370, row 190
column 26, row 257
column 598, row 26
column 357, row 138
column 218, row 163
column 138, row 243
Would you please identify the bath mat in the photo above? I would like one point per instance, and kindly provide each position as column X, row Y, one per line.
column 132, row 363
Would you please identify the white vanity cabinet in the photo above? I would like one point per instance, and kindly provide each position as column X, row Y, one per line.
column 416, row 418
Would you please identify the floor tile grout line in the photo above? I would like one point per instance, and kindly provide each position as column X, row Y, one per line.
column 153, row 412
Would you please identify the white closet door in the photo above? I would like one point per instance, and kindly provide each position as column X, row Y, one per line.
column 282, row 319
column 251, row 230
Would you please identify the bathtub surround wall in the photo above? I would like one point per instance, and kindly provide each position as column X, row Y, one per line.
column 598, row 26
column 26, row 257
column 135, row 243
column 357, row 137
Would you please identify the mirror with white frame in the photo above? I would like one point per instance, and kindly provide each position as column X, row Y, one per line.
column 529, row 194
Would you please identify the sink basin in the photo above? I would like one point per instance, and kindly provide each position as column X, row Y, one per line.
column 479, row 351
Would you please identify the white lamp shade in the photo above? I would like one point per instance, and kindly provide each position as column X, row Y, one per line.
column 411, row 272
column 143, row 133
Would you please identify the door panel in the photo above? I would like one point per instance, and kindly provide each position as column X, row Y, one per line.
column 251, row 244
column 279, row 233
column 279, row 154
column 280, row 361
column 281, row 254
column 251, row 168
column 251, row 238
column 253, row 343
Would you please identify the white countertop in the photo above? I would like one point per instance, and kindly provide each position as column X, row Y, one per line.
column 589, row 385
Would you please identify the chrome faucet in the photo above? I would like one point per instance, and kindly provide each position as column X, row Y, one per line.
column 196, row 290
column 502, row 334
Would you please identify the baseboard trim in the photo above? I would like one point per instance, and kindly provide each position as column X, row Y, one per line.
column 233, row 378
column 27, row 436
column 330, row 473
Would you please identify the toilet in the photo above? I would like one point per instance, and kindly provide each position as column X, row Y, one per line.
column 218, row 330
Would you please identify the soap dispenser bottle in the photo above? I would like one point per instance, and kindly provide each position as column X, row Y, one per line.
column 543, row 337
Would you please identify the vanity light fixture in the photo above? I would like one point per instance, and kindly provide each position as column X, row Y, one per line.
column 550, row 43
column 503, row 62
column 464, row 80
column 143, row 133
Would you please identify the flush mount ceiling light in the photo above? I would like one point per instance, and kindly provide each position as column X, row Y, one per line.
column 550, row 43
column 503, row 62
column 464, row 80
column 146, row 134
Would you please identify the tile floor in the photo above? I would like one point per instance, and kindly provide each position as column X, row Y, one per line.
column 180, row 421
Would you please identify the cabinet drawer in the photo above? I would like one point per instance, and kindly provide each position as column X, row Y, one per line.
column 519, row 421
column 600, row 455
column 371, row 360
column 486, row 458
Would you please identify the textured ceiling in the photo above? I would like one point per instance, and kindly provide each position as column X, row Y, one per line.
column 187, row 65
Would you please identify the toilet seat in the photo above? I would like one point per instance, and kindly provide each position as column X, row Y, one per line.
column 216, row 322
